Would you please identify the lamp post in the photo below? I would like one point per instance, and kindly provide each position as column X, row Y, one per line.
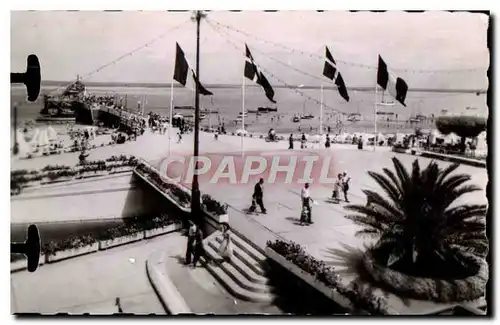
column 195, row 189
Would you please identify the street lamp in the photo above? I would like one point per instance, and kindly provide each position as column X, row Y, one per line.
column 195, row 190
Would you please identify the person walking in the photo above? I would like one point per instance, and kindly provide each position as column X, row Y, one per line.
column 303, row 141
column 306, row 205
column 290, row 142
column 337, row 186
column 225, row 249
column 190, row 243
column 327, row 142
column 345, row 185
column 258, row 196
column 199, row 249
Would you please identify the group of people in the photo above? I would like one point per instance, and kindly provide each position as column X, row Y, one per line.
column 341, row 185
column 195, row 249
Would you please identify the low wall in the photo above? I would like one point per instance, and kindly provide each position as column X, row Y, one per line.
column 87, row 200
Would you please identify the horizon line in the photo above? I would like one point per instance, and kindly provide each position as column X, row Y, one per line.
column 168, row 85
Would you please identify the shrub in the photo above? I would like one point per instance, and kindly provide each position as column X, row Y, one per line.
column 213, row 205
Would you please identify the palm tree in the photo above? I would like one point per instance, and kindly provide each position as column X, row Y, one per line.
column 419, row 230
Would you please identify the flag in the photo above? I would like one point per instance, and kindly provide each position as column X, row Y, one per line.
column 331, row 72
column 182, row 68
column 396, row 86
column 253, row 72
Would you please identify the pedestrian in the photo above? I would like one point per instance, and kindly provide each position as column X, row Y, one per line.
column 190, row 243
column 303, row 141
column 306, row 205
column 345, row 185
column 258, row 196
column 179, row 137
column 225, row 249
column 290, row 142
column 327, row 142
column 337, row 186
column 199, row 249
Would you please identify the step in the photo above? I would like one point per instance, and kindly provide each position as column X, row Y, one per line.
column 237, row 277
column 227, row 282
column 242, row 255
column 249, row 273
column 248, row 248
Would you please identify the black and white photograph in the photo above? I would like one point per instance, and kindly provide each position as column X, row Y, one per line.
column 250, row 162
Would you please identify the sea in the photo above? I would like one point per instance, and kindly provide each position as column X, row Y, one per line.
column 228, row 102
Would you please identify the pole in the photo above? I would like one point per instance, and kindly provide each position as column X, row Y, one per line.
column 195, row 195
column 242, row 113
column 321, row 117
column 15, row 150
column 375, row 117
column 171, row 111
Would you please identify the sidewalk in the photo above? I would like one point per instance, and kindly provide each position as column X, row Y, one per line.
column 332, row 237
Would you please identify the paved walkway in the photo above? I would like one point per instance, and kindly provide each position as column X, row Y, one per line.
column 332, row 237
column 91, row 283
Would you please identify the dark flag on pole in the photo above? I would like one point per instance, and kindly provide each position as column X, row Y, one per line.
column 396, row 86
column 253, row 72
column 331, row 72
column 182, row 68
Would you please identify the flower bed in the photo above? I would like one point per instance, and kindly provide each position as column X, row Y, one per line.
column 150, row 233
column 324, row 278
column 180, row 195
column 56, row 173
column 132, row 230
column 216, row 209
column 118, row 241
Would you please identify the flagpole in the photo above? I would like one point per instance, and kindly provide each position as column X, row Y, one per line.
column 321, row 117
column 375, row 117
column 171, row 111
column 242, row 113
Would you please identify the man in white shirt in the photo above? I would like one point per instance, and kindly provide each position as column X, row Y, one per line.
column 306, row 203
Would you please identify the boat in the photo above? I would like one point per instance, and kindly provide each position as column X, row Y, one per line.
column 307, row 117
column 253, row 111
column 73, row 105
column 354, row 117
column 296, row 119
column 240, row 114
column 184, row 107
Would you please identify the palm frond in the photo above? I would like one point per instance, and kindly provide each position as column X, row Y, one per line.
column 388, row 187
column 401, row 172
column 378, row 201
column 394, row 179
column 447, row 171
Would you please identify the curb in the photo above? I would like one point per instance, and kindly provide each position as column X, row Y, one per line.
column 169, row 296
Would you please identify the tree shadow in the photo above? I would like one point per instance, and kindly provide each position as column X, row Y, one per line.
column 348, row 260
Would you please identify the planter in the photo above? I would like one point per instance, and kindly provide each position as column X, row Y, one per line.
column 222, row 218
column 124, row 169
column 437, row 290
column 105, row 244
column 22, row 264
column 331, row 293
column 150, row 233
column 62, row 255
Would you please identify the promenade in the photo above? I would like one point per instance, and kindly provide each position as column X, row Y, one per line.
column 331, row 238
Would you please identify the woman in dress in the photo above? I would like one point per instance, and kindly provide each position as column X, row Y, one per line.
column 225, row 248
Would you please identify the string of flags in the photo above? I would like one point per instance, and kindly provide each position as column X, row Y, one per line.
column 360, row 65
column 137, row 49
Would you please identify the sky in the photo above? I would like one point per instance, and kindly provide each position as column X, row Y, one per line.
column 71, row 43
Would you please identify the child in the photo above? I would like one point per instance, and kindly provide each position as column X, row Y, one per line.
column 303, row 215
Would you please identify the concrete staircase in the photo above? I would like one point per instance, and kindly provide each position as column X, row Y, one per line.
column 244, row 276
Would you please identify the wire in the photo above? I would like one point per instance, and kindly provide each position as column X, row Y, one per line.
column 313, row 55
column 294, row 88
column 104, row 66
